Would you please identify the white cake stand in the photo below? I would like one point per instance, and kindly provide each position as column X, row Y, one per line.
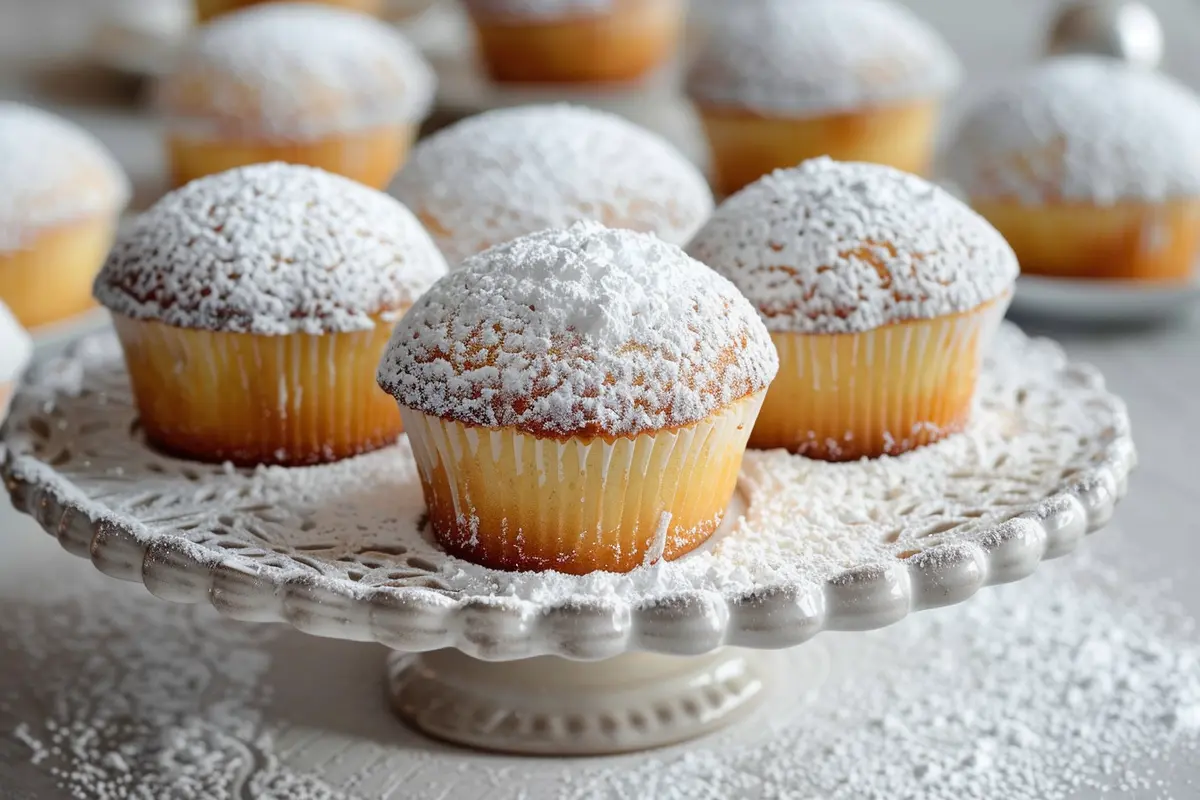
column 554, row 664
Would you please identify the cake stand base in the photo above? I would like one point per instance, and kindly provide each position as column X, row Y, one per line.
column 552, row 706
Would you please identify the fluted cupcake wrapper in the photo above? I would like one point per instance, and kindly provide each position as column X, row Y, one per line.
column 880, row 392
column 294, row 399
column 511, row 500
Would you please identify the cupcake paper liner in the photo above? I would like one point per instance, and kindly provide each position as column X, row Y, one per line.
column 511, row 500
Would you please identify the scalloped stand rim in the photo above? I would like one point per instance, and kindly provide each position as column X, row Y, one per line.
column 550, row 706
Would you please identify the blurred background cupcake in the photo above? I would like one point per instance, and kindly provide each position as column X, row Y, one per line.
column 1090, row 167
column 503, row 174
column 61, row 194
column 780, row 81
column 295, row 82
column 575, row 41
column 207, row 9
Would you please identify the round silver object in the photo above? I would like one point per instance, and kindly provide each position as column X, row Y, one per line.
column 1124, row 30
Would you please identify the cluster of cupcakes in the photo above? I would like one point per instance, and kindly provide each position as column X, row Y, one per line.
column 576, row 388
column 552, row 313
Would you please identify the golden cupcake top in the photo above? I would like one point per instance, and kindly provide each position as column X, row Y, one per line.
column 295, row 70
column 1080, row 128
column 52, row 173
column 270, row 249
column 503, row 174
column 837, row 247
column 784, row 57
column 584, row 331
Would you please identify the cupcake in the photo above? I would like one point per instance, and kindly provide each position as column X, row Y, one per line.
column 207, row 9
column 503, row 174
column 578, row 400
column 61, row 195
column 15, row 349
column 295, row 82
column 1090, row 167
column 880, row 291
column 253, row 307
column 778, row 82
column 575, row 41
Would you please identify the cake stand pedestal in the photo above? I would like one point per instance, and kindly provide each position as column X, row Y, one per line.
column 575, row 665
column 554, row 706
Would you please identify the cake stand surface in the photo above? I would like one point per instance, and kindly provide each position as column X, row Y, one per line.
column 549, row 663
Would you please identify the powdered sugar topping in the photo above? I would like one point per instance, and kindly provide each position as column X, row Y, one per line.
column 270, row 249
column 51, row 173
column 820, row 56
column 507, row 173
column 295, row 70
column 15, row 346
column 837, row 247
column 1080, row 128
column 584, row 331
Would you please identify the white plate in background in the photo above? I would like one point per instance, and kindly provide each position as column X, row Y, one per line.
column 1095, row 301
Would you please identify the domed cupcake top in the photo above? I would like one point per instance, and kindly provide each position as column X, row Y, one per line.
column 579, row 332
column 295, row 70
column 821, row 56
column 835, row 247
column 534, row 9
column 51, row 173
column 270, row 249
column 15, row 346
column 1084, row 128
column 502, row 174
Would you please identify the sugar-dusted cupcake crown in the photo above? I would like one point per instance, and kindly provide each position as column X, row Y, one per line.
column 1080, row 128
column 270, row 249
column 51, row 173
column 789, row 58
column 837, row 247
column 585, row 331
column 295, row 70
column 503, row 174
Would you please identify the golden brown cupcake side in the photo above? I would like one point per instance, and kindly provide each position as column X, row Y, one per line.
column 572, row 42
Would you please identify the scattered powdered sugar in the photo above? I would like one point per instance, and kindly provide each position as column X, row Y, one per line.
column 16, row 346
column 51, row 173
column 295, row 70
column 1070, row 684
column 1073, row 683
column 270, row 249
column 819, row 56
column 835, row 247
column 583, row 331
column 503, row 174
column 1080, row 127
column 499, row 10
column 119, row 696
